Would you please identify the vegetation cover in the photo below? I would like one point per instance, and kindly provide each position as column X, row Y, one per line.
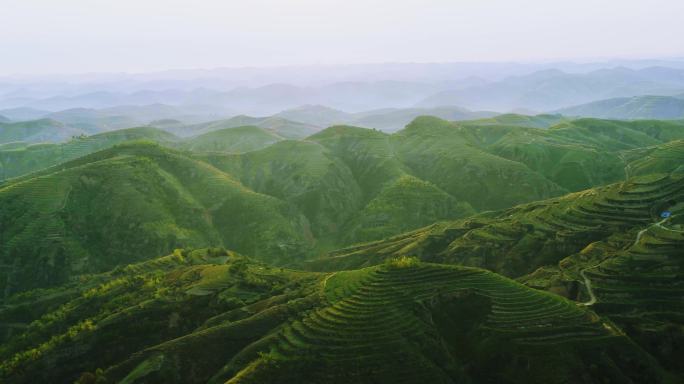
column 516, row 249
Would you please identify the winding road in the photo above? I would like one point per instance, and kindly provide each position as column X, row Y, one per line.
column 587, row 282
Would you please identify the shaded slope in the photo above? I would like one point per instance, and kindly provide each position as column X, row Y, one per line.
column 303, row 173
column 404, row 204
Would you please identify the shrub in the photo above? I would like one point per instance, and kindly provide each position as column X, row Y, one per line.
column 402, row 262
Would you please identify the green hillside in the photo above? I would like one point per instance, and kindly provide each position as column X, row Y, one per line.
column 473, row 252
column 129, row 203
column 232, row 140
column 36, row 131
column 17, row 160
column 535, row 121
column 277, row 125
column 404, row 204
column 214, row 316
column 611, row 238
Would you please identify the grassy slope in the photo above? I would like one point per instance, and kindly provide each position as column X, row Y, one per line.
column 401, row 205
column 36, row 131
column 609, row 232
column 23, row 159
column 129, row 203
column 214, row 316
column 277, row 125
column 513, row 119
column 232, row 140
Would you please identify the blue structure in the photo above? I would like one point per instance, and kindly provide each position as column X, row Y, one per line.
column 666, row 214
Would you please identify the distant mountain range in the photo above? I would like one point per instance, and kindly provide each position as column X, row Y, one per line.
column 554, row 89
column 390, row 119
column 544, row 90
column 36, row 131
column 629, row 108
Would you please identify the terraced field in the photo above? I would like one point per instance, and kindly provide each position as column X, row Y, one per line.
column 409, row 322
column 519, row 240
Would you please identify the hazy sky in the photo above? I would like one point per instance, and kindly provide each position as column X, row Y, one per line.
column 61, row 36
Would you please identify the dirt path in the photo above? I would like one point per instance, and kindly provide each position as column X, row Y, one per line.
column 587, row 282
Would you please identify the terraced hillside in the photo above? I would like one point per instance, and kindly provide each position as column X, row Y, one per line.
column 521, row 239
column 607, row 248
column 641, row 286
column 218, row 317
column 129, row 203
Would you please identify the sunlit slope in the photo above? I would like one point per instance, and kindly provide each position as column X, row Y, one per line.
column 214, row 316
column 129, row 203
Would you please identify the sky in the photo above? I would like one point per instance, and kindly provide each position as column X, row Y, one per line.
column 77, row 36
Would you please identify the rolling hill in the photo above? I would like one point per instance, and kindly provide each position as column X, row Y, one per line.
column 606, row 247
column 36, row 131
column 232, row 140
column 21, row 158
column 24, row 114
column 518, row 120
column 277, row 125
column 388, row 119
column 553, row 89
column 215, row 316
column 465, row 259
column 630, row 108
column 129, row 203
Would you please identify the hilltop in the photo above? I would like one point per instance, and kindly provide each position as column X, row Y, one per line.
column 274, row 124
column 129, row 203
column 232, row 140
